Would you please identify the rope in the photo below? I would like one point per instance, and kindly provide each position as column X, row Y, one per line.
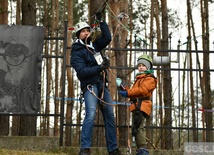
column 129, row 150
column 87, row 39
column 90, row 89
column 118, row 20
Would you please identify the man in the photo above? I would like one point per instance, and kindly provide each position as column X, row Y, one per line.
column 90, row 66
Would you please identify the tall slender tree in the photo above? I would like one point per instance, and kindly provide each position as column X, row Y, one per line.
column 167, row 85
column 57, row 67
column 159, row 75
column 70, row 104
column 18, row 14
column 4, row 12
column 118, row 24
column 190, row 27
column 4, row 120
column 206, row 97
column 28, row 123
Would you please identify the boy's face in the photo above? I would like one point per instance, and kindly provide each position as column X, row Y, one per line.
column 141, row 67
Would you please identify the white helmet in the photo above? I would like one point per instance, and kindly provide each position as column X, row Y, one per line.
column 80, row 26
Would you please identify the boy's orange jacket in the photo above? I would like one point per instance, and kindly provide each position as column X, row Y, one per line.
column 142, row 90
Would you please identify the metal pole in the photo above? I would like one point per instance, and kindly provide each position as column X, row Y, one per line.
column 63, row 84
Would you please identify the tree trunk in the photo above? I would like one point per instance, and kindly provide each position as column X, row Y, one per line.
column 46, row 45
column 29, row 12
column 149, row 132
column 121, row 60
column 167, row 86
column 189, row 17
column 70, row 104
column 4, row 12
column 206, row 75
column 57, row 68
column 28, row 123
column 18, row 13
column 159, row 73
column 4, row 120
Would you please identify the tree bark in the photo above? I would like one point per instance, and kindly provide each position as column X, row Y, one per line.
column 70, row 104
column 18, row 13
column 167, row 86
column 4, row 12
column 118, row 7
column 28, row 123
column 4, row 120
column 57, row 87
column 207, row 105
column 189, row 19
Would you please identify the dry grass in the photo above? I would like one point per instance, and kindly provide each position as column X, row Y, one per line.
column 17, row 152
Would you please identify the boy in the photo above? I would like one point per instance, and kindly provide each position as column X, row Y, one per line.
column 141, row 92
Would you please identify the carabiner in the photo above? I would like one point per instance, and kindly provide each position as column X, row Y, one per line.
column 122, row 16
column 90, row 89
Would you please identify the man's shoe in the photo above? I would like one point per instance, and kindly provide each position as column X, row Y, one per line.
column 115, row 152
column 85, row 151
column 142, row 151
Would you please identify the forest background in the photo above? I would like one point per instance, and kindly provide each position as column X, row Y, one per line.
column 157, row 27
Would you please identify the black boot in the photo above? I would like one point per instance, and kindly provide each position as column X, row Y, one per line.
column 115, row 152
column 85, row 151
column 142, row 151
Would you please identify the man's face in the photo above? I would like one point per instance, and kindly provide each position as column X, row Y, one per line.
column 84, row 33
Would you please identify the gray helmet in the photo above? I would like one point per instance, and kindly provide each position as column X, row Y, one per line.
column 146, row 60
column 80, row 26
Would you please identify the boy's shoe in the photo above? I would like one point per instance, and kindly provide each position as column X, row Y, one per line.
column 85, row 151
column 142, row 151
column 115, row 152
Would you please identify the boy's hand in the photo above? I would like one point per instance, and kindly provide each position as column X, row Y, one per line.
column 123, row 93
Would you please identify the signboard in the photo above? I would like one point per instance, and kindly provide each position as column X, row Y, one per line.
column 20, row 68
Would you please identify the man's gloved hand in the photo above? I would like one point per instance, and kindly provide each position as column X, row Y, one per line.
column 99, row 16
column 105, row 64
column 123, row 93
